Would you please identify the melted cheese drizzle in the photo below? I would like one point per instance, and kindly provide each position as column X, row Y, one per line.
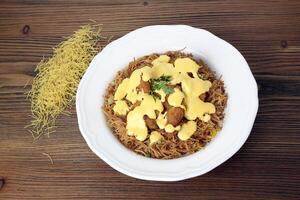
column 155, row 137
column 175, row 99
column 188, row 98
column 187, row 130
column 136, row 125
column 121, row 107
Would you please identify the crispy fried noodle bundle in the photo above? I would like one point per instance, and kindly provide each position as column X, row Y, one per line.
column 54, row 87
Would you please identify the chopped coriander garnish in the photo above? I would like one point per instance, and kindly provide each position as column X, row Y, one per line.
column 154, row 94
column 168, row 90
column 161, row 83
column 165, row 78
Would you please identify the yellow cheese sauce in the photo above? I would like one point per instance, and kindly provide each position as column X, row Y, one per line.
column 169, row 128
column 161, row 120
column 136, row 125
column 121, row 107
column 187, row 130
column 175, row 99
column 162, row 95
column 187, row 98
column 155, row 137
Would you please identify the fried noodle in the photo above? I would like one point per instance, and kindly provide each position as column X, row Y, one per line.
column 171, row 146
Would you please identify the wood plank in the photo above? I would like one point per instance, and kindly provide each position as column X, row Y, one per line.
column 266, row 32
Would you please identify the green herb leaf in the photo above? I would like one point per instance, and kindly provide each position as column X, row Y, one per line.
column 166, row 78
column 161, row 83
column 154, row 94
column 168, row 90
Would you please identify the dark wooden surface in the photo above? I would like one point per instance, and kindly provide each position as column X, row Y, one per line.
column 267, row 167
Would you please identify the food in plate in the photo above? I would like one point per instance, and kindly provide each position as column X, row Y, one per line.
column 165, row 105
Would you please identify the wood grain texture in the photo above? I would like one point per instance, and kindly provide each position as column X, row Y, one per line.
column 267, row 166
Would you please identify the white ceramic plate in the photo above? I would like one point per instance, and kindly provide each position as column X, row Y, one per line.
column 218, row 54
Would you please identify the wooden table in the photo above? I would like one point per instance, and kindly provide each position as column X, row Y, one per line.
column 267, row 166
